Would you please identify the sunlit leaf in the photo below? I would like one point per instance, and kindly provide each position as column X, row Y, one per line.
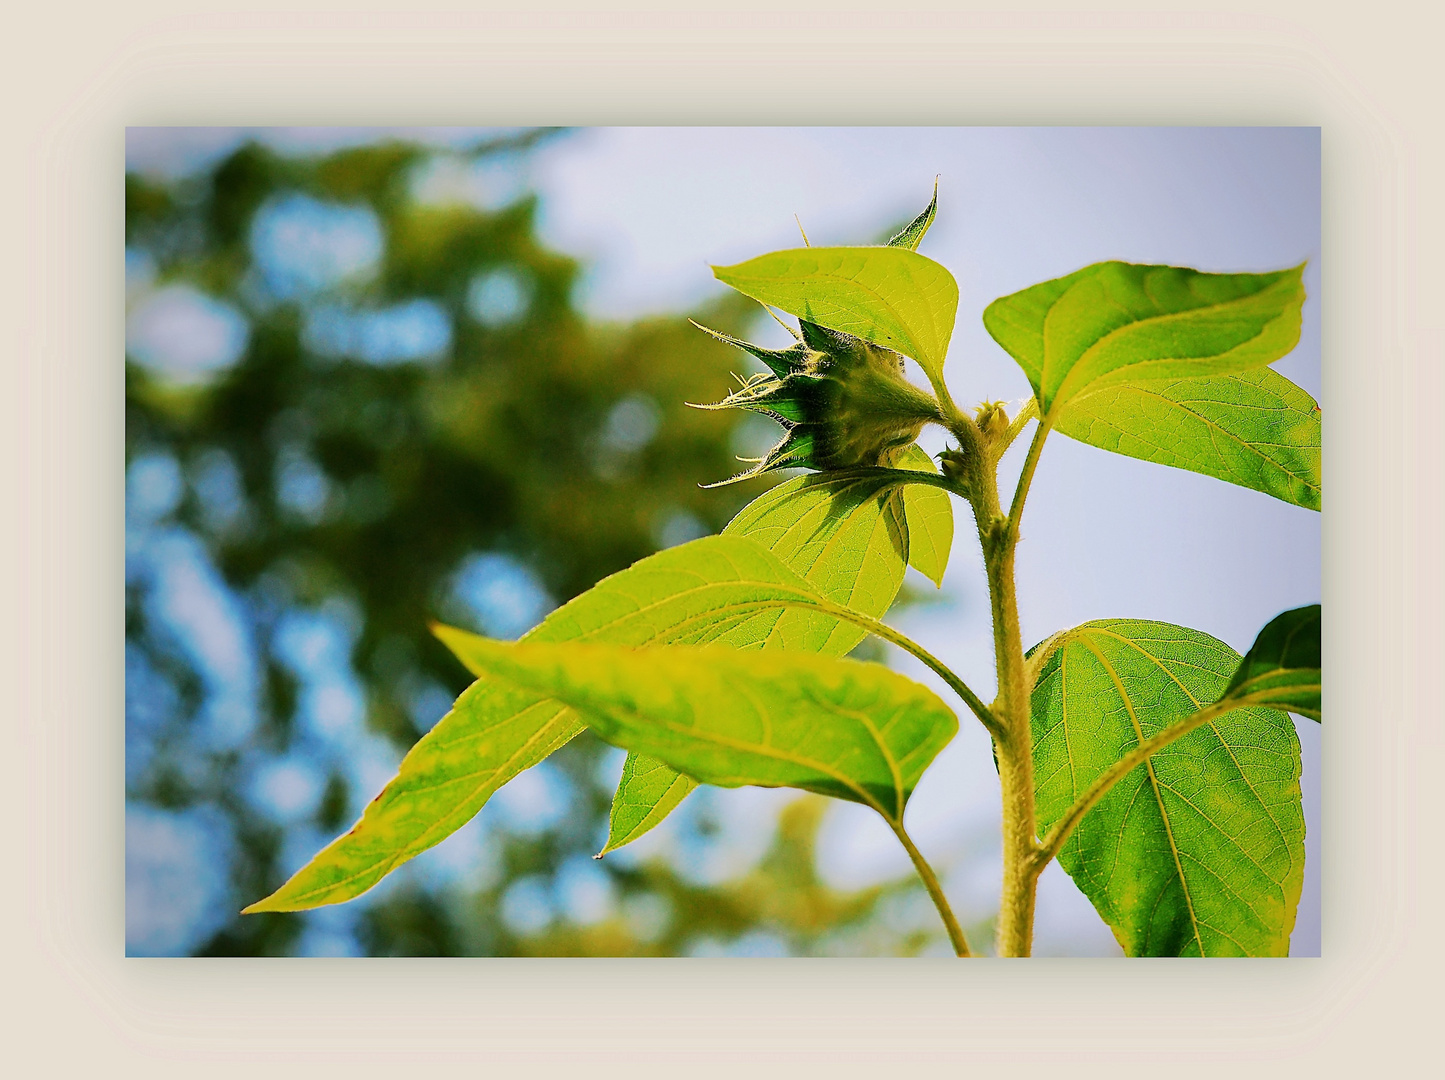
column 836, row 727
column 848, row 536
column 887, row 295
column 1282, row 667
column 1252, row 428
column 1116, row 322
column 1200, row 850
column 723, row 589
column 846, row 533
column 491, row 734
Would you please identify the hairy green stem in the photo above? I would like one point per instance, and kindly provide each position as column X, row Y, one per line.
column 935, row 890
column 1026, row 477
column 998, row 536
column 1029, row 412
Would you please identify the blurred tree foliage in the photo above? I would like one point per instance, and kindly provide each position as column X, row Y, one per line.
column 559, row 443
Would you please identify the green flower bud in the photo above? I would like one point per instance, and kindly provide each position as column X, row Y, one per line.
column 842, row 401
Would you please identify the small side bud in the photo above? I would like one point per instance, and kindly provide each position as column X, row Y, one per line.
column 992, row 420
column 953, row 464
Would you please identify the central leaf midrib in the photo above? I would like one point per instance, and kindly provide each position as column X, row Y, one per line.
column 1078, row 400
column 1154, row 787
column 1279, row 832
column 1058, row 394
column 753, row 748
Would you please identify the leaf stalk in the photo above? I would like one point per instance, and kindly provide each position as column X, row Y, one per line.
column 935, row 890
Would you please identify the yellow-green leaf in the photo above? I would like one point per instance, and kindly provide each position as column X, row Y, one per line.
column 890, row 296
column 647, row 792
column 930, row 518
column 720, row 589
column 1116, row 322
column 1199, row 851
column 836, row 727
column 911, row 235
column 1252, row 428
column 849, row 537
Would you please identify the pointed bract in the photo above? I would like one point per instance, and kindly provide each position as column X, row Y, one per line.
column 912, row 233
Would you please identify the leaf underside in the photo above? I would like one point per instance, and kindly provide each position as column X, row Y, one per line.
column 930, row 518
column 1200, row 850
column 850, row 730
column 911, row 235
column 850, row 538
column 1252, row 428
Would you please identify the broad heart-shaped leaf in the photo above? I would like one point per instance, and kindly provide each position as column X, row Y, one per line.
column 887, row 295
column 1200, row 850
column 1282, row 667
column 1252, row 428
column 849, row 536
column 772, row 719
column 716, row 589
column 930, row 518
column 1116, row 322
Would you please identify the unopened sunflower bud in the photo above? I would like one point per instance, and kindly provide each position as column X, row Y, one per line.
column 842, row 401
column 992, row 420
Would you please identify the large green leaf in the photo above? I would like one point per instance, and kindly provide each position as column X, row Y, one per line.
column 930, row 518
column 836, row 727
column 849, row 537
column 1282, row 667
column 1252, row 428
column 1116, row 322
column 717, row 589
column 693, row 593
column 890, row 296
column 1200, row 850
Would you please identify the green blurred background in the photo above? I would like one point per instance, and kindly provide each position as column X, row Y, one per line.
column 352, row 406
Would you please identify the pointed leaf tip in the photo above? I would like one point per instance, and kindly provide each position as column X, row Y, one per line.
column 1282, row 667
column 911, row 235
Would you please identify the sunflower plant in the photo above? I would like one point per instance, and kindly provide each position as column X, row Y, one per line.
column 1153, row 762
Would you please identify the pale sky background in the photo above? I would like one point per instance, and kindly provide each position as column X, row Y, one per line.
column 1105, row 536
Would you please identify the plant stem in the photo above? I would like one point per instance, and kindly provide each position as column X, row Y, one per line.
column 935, row 890
column 1015, row 753
column 1031, row 462
column 1013, row 743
